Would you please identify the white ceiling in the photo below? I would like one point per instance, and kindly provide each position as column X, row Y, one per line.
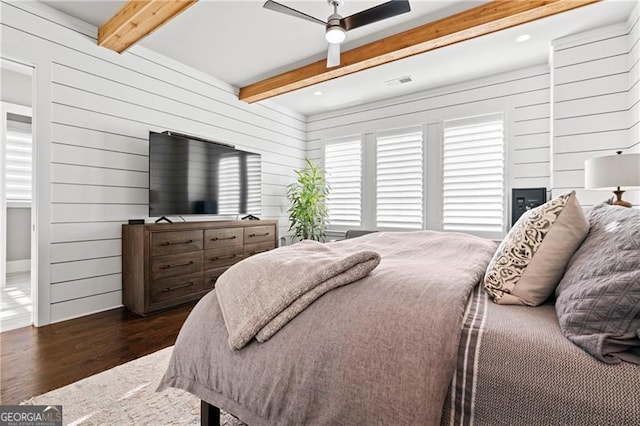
column 239, row 42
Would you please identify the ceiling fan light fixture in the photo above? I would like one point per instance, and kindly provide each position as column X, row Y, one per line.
column 336, row 26
column 335, row 34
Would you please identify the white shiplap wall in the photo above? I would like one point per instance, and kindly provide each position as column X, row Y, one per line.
column 94, row 110
column 633, row 61
column 596, row 103
column 523, row 96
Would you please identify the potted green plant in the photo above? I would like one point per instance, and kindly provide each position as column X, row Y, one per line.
column 308, row 210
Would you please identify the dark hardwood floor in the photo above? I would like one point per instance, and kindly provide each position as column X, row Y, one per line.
column 36, row 360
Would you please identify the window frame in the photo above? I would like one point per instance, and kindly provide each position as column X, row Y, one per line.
column 506, row 126
column 11, row 108
column 374, row 188
column 332, row 229
column 433, row 157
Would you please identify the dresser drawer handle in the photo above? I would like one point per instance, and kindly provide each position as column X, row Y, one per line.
column 221, row 239
column 258, row 235
column 257, row 251
column 168, row 289
column 173, row 243
column 177, row 265
column 231, row 256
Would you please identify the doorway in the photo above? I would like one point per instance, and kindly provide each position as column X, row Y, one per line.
column 16, row 196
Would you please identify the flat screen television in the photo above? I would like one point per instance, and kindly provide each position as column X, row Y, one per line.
column 189, row 175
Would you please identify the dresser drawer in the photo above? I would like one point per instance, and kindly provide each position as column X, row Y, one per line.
column 212, row 275
column 251, row 249
column 218, row 238
column 259, row 234
column 175, row 264
column 174, row 287
column 216, row 258
column 175, row 242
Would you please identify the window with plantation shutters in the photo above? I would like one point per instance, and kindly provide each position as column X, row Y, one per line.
column 343, row 168
column 399, row 182
column 18, row 154
column 473, row 175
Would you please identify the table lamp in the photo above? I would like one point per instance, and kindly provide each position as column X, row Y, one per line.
column 613, row 172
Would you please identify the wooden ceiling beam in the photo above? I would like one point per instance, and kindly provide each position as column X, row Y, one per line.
column 136, row 19
column 478, row 21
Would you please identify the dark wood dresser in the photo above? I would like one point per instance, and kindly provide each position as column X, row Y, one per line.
column 165, row 265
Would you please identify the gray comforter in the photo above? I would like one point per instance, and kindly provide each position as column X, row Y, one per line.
column 381, row 350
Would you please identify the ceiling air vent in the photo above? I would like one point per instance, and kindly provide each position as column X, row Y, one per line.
column 397, row 81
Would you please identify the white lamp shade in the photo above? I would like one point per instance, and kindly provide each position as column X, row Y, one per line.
column 613, row 171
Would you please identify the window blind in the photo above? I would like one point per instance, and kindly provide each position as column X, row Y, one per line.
column 18, row 162
column 473, row 175
column 343, row 168
column 399, row 187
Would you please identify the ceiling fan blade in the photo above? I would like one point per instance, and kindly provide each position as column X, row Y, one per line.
column 375, row 14
column 277, row 7
column 333, row 55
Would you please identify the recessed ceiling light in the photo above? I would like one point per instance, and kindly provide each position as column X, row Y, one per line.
column 523, row 37
column 317, row 93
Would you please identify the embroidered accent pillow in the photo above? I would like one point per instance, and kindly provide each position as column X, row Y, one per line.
column 532, row 258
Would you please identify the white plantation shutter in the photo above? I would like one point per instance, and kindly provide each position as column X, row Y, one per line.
column 399, row 169
column 473, row 175
column 343, row 168
column 18, row 161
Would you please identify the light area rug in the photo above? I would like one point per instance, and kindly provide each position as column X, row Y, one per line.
column 125, row 395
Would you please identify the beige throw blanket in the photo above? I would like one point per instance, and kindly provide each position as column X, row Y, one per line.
column 261, row 294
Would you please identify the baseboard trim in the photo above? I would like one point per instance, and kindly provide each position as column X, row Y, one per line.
column 23, row 265
column 83, row 315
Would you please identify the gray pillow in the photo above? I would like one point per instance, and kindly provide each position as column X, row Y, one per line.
column 598, row 299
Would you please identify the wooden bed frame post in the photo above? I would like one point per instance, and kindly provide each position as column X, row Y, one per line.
column 209, row 414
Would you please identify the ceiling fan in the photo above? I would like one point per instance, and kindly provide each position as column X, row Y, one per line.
column 337, row 26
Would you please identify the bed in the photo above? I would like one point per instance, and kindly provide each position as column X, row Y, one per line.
column 515, row 367
column 416, row 342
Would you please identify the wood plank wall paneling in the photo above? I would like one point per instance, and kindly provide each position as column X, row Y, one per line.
column 103, row 107
column 633, row 42
column 523, row 95
column 596, row 108
column 431, row 103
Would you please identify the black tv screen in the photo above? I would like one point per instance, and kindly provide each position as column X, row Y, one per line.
column 189, row 175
